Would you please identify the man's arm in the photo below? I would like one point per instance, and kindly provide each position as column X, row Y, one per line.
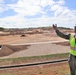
column 60, row 34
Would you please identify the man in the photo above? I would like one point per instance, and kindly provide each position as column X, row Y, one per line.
column 72, row 40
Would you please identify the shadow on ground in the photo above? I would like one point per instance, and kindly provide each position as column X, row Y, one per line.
column 65, row 43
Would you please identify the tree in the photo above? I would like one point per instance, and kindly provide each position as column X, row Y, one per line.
column 2, row 29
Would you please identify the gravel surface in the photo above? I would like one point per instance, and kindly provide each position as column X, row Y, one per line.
column 34, row 50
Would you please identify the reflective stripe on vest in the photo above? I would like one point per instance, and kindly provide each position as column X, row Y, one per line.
column 73, row 48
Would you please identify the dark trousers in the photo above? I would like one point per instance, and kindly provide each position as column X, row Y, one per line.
column 72, row 64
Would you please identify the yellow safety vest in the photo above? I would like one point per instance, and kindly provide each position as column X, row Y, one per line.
column 72, row 45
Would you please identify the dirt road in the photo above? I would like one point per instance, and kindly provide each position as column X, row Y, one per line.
column 40, row 44
column 37, row 49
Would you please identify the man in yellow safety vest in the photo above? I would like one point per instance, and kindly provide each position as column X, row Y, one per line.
column 72, row 40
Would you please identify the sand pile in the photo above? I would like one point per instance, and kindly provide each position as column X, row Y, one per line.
column 9, row 49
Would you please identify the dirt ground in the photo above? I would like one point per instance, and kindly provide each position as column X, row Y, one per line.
column 17, row 39
column 31, row 49
column 18, row 50
column 50, row 69
column 9, row 51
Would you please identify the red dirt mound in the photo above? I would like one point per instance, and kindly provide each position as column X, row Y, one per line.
column 9, row 49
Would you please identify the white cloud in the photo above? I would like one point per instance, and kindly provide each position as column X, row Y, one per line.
column 61, row 2
column 27, row 7
column 1, row 1
column 62, row 14
column 33, row 7
column 2, row 6
column 12, row 21
column 60, row 10
column 44, row 3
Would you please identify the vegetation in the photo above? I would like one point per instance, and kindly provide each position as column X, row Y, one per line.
column 32, row 59
column 2, row 29
column 64, row 28
column 43, row 28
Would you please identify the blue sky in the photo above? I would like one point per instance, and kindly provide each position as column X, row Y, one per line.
column 37, row 13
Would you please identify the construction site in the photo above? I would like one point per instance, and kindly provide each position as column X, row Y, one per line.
column 31, row 43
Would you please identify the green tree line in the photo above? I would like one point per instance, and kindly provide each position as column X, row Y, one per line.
column 2, row 29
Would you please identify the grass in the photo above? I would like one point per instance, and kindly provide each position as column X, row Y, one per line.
column 20, row 60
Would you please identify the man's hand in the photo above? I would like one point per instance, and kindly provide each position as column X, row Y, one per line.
column 54, row 26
